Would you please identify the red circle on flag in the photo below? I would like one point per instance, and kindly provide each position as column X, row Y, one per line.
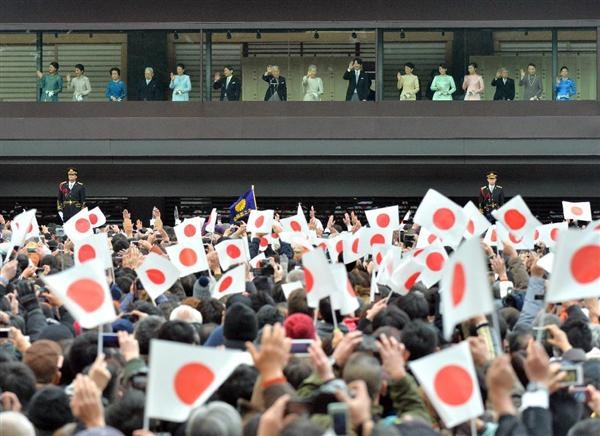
column 494, row 237
column 188, row 257
column 379, row 258
column 264, row 242
column 383, row 220
column 514, row 219
column 82, row 225
column 93, row 218
column 189, row 230
column 339, row 246
column 431, row 238
column 536, row 235
column 444, row 218
column 471, row 227
column 309, row 280
column 87, row 293
column 434, row 261
column 29, row 228
column 86, row 252
column 410, row 282
column 554, row 234
column 585, row 264
column 233, row 251
column 355, row 246
column 377, row 238
column 295, row 225
column 417, row 252
column 514, row 239
column 156, row 276
column 576, row 210
column 453, row 385
column 225, row 284
column 191, row 380
column 258, row 222
column 459, row 284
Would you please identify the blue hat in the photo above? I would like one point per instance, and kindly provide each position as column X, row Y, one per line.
column 122, row 325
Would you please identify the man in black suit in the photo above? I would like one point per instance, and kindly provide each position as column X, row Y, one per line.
column 491, row 197
column 230, row 85
column 277, row 90
column 150, row 89
column 359, row 84
column 505, row 86
column 71, row 196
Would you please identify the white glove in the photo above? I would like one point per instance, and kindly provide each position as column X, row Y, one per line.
column 50, row 93
column 79, row 97
column 60, row 214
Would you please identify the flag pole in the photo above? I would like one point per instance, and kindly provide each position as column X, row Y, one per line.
column 254, row 197
column 146, row 422
column 100, row 339
column 474, row 427
column 335, row 323
column 496, row 337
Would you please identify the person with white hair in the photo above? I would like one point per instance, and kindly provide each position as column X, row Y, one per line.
column 505, row 86
column 214, row 419
column 312, row 85
column 187, row 314
column 15, row 424
column 277, row 90
column 150, row 88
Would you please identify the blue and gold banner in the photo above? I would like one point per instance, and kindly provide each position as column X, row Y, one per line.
column 241, row 207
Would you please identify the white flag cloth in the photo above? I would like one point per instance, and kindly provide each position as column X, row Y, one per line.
column 449, row 380
column 442, row 216
column 477, row 224
column 295, row 224
column 94, row 247
column 343, row 298
column 190, row 228
column 548, row 233
column 157, row 274
column 432, row 259
column 188, row 256
column 581, row 211
column 523, row 242
column 184, row 376
column 288, row 288
column 212, row 221
column 426, row 238
column 516, row 217
column 318, row 278
column 23, row 226
column 79, row 227
column 97, row 218
column 84, row 291
column 379, row 236
column 257, row 261
column 491, row 236
column 231, row 252
column 576, row 269
column 546, row 262
column 374, row 288
column 260, row 221
column 378, row 251
column 335, row 246
column 465, row 290
column 391, row 260
column 385, row 218
column 405, row 276
column 357, row 245
column 232, row 282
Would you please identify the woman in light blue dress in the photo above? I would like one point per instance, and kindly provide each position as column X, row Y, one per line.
column 180, row 84
column 443, row 85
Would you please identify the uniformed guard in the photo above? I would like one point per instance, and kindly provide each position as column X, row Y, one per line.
column 71, row 196
column 491, row 197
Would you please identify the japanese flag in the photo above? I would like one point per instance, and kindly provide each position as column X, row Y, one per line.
column 232, row 282
column 593, row 226
column 385, row 218
column 84, row 291
column 23, row 226
column 157, row 274
column 343, row 297
column 336, row 246
column 442, row 216
column 405, row 276
column 212, row 221
column 296, row 223
column 426, row 238
column 231, row 252
column 576, row 268
column 184, row 376
column 256, row 261
column 548, row 233
column 378, row 252
column 465, row 288
column 516, row 217
column 321, row 243
column 546, row 262
column 477, row 224
column 379, row 236
column 391, row 260
column 577, row 211
column 190, row 228
column 318, row 278
column 357, row 245
column 260, row 221
column 523, row 242
column 264, row 242
column 94, row 247
column 97, row 218
column 188, row 256
column 79, row 227
column 491, row 236
column 449, row 380
column 432, row 259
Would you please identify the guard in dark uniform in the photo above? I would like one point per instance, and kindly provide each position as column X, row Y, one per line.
column 491, row 197
column 71, row 196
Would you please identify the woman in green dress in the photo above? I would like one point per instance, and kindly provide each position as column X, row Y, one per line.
column 50, row 84
column 443, row 85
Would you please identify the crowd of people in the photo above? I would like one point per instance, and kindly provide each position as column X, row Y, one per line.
column 53, row 380
column 442, row 86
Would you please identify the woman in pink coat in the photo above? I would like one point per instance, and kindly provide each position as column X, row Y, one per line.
column 473, row 83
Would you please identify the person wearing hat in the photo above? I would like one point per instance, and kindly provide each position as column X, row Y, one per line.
column 491, row 197
column 71, row 196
